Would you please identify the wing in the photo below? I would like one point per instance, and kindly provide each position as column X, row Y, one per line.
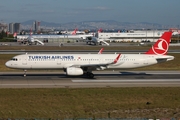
column 97, row 66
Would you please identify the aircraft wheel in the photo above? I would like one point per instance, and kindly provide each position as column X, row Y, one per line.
column 90, row 75
column 25, row 73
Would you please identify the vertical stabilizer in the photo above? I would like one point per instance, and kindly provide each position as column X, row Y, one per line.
column 162, row 45
column 74, row 32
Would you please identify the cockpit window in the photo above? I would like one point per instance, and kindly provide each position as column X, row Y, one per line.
column 14, row 59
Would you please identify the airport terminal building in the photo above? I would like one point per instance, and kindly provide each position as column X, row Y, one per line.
column 47, row 38
column 132, row 36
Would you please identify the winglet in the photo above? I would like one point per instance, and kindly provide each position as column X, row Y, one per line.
column 162, row 45
column 117, row 58
column 100, row 51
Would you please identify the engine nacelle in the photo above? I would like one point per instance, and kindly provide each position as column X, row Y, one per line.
column 30, row 39
column 74, row 71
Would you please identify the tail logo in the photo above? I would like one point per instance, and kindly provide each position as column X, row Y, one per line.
column 161, row 48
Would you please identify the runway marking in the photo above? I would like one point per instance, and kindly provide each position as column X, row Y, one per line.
column 129, row 80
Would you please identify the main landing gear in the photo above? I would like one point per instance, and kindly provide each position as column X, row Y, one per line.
column 90, row 75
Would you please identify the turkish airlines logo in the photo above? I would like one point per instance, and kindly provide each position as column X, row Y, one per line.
column 161, row 47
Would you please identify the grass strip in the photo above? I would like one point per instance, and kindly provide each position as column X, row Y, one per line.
column 162, row 102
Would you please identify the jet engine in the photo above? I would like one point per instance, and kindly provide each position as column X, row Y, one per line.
column 30, row 39
column 74, row 71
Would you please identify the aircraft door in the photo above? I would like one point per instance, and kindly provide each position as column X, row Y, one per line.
column 101, row 60
column 145, row 61
column 59, row 61
column 24, row 60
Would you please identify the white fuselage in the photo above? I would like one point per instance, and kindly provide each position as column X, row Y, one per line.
column 63, row 61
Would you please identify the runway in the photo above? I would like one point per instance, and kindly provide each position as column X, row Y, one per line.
column 102, row 79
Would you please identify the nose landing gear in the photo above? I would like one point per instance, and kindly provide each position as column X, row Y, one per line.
column 25, row 73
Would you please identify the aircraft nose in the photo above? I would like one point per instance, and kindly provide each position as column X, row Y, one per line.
column 7, row 64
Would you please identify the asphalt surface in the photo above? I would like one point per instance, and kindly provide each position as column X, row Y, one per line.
column 101, row 79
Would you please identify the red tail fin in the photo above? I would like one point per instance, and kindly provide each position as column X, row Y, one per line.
column 100, row 30
column 15, row 34
column 74, row 32
column 30, row 34
column 162, row 45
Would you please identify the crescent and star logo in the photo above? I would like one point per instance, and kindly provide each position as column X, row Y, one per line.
column 161, row 48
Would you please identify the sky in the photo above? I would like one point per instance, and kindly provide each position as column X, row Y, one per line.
column 165, row 12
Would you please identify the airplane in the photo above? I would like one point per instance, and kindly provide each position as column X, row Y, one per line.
column 96, row 41
column 84, row 64
column 31, row 40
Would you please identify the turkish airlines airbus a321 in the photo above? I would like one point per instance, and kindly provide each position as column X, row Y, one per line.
column 84, row 64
